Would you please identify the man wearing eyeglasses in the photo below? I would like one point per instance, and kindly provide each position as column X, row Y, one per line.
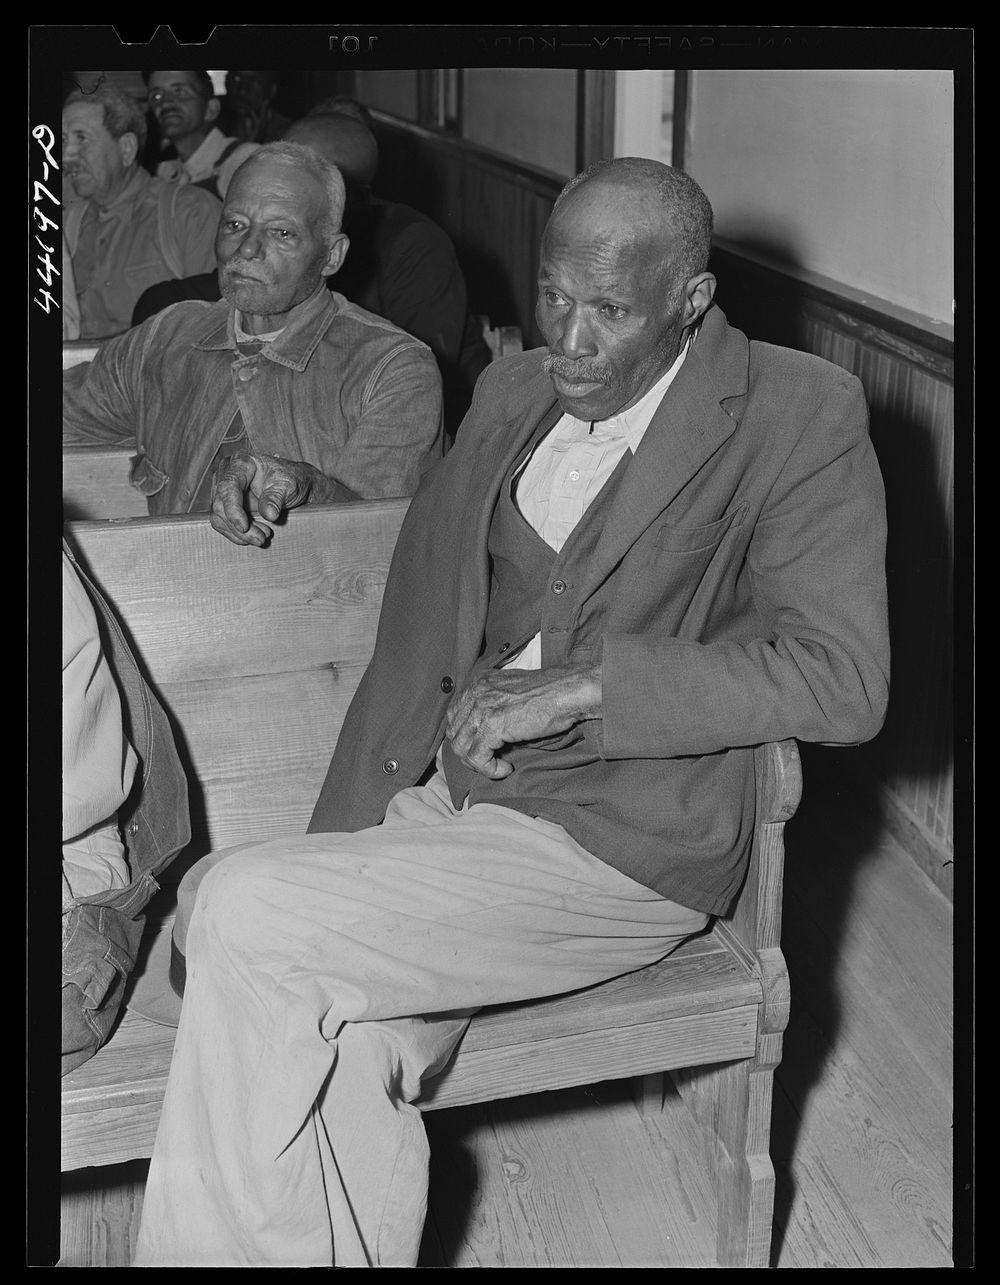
column 185, row 107
column 128, row 229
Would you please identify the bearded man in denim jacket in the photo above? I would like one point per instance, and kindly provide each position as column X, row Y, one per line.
column 280, row 394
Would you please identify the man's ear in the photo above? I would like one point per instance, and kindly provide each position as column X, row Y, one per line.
column 128, row 148
column 337, row 254
column 698, row 296
column 212, row 109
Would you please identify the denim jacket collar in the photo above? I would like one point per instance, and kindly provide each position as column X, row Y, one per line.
column 296, row 343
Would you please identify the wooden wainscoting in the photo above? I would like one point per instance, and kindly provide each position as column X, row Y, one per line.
column 907, row 369
column 494, row 209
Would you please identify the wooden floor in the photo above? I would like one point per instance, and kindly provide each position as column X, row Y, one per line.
column 861, row 1138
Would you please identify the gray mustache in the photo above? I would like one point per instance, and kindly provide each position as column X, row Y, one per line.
column 576, row 370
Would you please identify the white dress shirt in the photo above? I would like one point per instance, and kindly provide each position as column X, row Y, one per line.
column 567, row 469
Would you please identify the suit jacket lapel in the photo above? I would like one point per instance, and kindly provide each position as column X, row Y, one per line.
column 688, row 427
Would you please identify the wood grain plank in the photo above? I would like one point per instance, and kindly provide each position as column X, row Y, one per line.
column 836, row 926
column 580, row 1059
column 872, row 1169
column 99, row 1216
column 301, row 603
column 258, row 748
column 95, row 484
column 574, row 1179
column 680, row 985
column 861, row 1138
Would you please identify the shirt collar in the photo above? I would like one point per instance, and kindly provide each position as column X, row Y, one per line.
column 634, row 421
column 207, row 152
column 295, row 343
column 243, row 336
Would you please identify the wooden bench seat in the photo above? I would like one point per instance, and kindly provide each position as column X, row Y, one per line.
column 644, row 1022
column 237, row 641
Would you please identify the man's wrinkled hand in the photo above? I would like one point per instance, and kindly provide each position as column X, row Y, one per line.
column 508, row 706
column 275, row 484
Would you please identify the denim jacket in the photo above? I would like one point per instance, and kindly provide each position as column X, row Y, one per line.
column 101, row 932
column 339, row 388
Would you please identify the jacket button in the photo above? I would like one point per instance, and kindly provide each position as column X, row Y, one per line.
column 246, row 372
column 134, row 828
column 390, row 767
column 504, row 647
column 447, row 684
column 558, row 586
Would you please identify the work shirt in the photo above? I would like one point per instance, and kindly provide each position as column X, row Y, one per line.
column 150, row 232
column 338, row 388
column 205, row 162
column 568, row 468
column 70, row 306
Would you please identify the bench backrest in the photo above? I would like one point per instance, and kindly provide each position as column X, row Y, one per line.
column 75, row 351
column 95, row 484
column 256, row 653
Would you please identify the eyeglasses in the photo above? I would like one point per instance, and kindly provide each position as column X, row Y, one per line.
column 179, row 93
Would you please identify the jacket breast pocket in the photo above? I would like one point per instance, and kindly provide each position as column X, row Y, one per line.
column 145, row 476
column 696, row 539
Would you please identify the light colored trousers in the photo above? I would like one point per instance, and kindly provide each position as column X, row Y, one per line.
column 289, row 1134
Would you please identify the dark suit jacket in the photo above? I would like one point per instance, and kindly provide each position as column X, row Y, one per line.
column 736, row 595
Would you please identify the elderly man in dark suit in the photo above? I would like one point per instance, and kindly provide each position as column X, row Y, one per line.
column 655, row 545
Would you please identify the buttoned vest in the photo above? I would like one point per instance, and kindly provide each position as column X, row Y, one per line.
column 532, row 591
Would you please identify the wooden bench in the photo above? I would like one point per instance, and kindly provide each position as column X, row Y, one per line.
column 501, row 340
column 74, row 351
column 95, row 484
column 238, row 640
